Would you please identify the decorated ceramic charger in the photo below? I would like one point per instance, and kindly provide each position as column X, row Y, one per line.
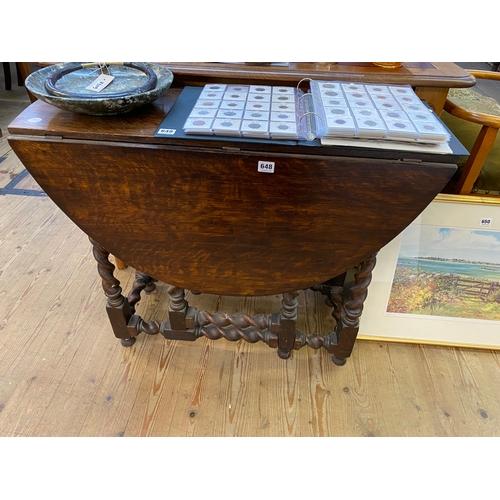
column 133, row 85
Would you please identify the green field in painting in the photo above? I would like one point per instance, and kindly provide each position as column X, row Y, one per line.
column 443, row 295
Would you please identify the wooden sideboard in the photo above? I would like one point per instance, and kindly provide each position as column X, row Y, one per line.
column 430, row 80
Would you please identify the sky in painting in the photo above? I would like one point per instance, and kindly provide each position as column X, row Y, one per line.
column 451, row 243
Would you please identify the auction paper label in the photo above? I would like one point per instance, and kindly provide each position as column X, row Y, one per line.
column 101, row 82
column 266, row 166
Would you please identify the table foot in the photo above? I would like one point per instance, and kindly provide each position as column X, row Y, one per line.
column 127, row 342
column 284, row 354
column 339, row 362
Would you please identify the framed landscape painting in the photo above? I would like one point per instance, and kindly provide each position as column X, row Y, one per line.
column 438, row 282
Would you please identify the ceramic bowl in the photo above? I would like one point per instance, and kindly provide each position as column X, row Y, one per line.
column 126, row 79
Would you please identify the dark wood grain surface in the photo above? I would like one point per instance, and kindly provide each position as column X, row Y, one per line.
column 207, row 220
column 139, row 125
column 417, row 74
column 197, row 214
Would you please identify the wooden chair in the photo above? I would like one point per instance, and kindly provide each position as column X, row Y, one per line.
column 462, row 103
column 8, row 76
column 23, row 69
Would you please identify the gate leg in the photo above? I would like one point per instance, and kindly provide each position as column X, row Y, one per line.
column 288, row 321
column 354, row 294
column 117, row 306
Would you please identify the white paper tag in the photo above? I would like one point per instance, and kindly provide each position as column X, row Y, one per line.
column 485, row 221
column 101, row 82
column 266, row 166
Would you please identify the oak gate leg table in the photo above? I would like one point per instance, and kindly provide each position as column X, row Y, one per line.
column 197, row 214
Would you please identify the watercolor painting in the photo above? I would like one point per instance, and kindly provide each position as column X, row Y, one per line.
column 448, row 272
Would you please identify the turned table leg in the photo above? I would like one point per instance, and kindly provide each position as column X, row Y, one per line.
column 177, row 308
column 142, row 282
column 354, row 294
column 117, row 306
column 288, row 321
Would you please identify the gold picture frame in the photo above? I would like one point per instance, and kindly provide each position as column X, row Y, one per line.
column 475, row 223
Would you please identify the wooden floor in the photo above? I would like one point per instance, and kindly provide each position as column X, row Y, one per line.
column 62, row 372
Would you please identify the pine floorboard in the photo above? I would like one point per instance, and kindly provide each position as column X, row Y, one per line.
column 62, row 372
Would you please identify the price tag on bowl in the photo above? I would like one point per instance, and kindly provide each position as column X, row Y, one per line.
column 101, row 82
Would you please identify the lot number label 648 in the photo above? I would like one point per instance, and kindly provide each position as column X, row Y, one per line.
column 266, row 166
